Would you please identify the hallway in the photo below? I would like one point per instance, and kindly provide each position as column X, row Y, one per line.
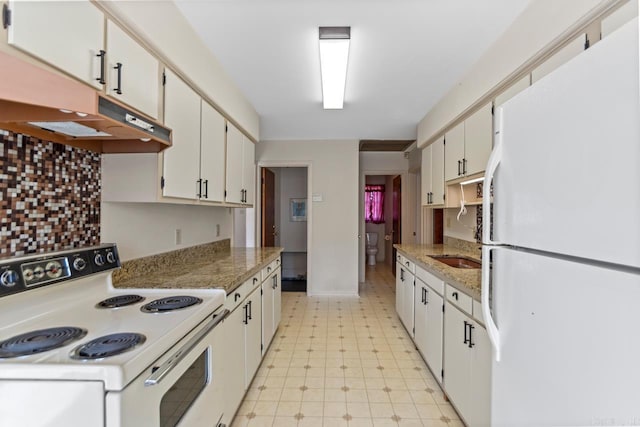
column 344, row 362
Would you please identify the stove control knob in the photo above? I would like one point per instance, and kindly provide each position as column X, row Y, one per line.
column 99, row 260
column 9, row 278
column 79, row 264
column 38, row 272
column 111, row 258
column 54, row 269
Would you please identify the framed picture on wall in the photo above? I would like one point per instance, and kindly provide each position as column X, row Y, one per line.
column 298, row 209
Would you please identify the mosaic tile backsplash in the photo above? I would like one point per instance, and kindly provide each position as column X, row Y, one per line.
column 49, row 196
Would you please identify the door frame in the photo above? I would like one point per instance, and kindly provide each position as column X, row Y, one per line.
column 362, row 258
column 288, row 164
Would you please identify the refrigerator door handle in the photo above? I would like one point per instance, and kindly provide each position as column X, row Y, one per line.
column 494, row 160
column 492, row 329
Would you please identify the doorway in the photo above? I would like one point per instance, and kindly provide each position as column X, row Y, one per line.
column 284, row 203
column 397, row 215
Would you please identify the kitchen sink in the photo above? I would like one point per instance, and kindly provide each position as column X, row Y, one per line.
column 457, row 261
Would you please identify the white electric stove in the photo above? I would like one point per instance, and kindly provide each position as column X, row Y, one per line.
column 74, row 351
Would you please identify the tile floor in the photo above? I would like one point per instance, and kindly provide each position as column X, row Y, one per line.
column 338, row 361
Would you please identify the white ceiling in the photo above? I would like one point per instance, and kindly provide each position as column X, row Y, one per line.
column 404, row 56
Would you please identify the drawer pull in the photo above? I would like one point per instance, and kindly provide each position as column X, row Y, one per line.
column 455, row 295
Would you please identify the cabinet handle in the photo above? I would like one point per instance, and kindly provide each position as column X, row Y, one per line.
column 118, row 67
column 407, row 263
column 250, row 317
column 206, row 189
column 464, row 166
column 101, row 55
column 459, row 164
column 422, row 295
column 402, row 275
column 246, row 314
column 236, row 297
column 426, row 295
column 455, row 295
column 255, row 280
column 466, row 340
column 471, row 328
column 275, row 281
column 199, row 192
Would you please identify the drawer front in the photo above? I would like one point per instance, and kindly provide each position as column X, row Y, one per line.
column 459, row 299
column 433, row 281
column 270, row 268
column 236, row 297
column 477, row 311
column 406, row 263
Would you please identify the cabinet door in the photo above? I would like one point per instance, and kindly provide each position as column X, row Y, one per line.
column 434, row 316
column 437, row 172
column 277, row 299
column 480, row 414
column 267, row 312
column 234, row 165
column 420, row 322
column 136, row 81
column 457, row 364
column 407, row 304
column 400, row 277
column 425, row 173
column 234, row 362
column 572, row 49
column 248, row 170
column 212, row 158
column 182, row 159
column 478, row 139
column 253, row 336
column 454, row 152
column 67, row 35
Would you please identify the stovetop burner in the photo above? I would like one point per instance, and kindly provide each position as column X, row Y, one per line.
column 120, row 301
column 163, row 305
column 108, row 345
column 38, row 341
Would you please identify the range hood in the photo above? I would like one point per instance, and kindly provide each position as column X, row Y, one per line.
column 46, row 105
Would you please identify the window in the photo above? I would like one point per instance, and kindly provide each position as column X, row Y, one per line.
column 374, row 204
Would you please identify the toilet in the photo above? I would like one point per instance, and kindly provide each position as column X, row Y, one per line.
column 372, row 248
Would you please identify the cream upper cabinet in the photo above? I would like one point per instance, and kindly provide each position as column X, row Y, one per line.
column 618, row 18
column 212, row 158
column 468, row 145
column 234, row 189
column 433, row 173
column 68, row 35
column 563, row 55
column 454, row 152
column 478, row 138
column 248, row 170
column 133, row 73
column 182, row 159
column 240, row 183
column 425, row 173
column 437, row 172
column 512, row 90
column 194, row 164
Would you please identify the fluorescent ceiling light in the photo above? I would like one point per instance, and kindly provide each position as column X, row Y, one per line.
column 334, row 54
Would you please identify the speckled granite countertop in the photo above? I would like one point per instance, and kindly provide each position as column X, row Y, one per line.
column 204, row 266
column 467, row 280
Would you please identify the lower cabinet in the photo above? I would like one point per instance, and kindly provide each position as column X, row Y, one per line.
column 429, row 316
column 404, row 296
column 234, row 362
column 271, row 306
column 467, row 362
column 253, row 335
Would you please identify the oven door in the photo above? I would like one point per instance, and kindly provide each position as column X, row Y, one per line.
column 183, row 388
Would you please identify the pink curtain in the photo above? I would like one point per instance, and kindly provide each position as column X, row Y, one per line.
column 374, row 204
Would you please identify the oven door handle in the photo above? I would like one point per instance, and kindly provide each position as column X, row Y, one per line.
column 160, row 372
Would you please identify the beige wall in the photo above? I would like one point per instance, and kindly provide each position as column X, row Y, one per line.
column 333, row 222
column 161, row 25
column 142, row 229
column 542, row 22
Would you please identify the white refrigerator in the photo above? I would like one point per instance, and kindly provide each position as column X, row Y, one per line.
column 561, row 261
